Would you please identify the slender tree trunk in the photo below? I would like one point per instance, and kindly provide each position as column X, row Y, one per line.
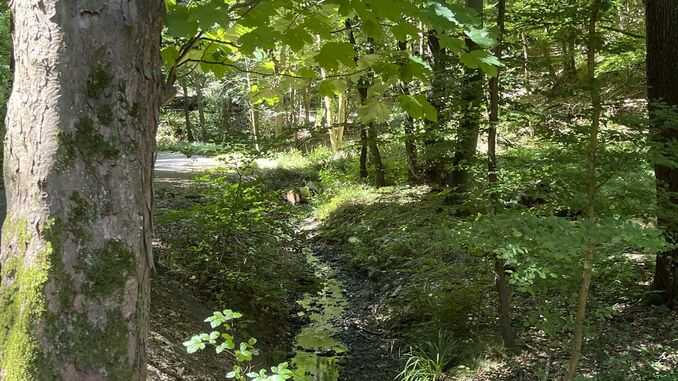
column 226, row 114
column 569, row 56
column 201, row 110
column 408, row 126
column 526, row 62
column 307, row 107
column 591, row 192
column 187, row 115
column 76, row 249
column 3, row 114
column 662, row 80
column 375, row 155
column 504, row 290
column 546, row 52
column 469, row 126
column 337, row 130
column 252, row 113
column 363, row 151
column 369, row 133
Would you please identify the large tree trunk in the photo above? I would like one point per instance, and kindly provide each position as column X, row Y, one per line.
column 469, row 126
column 76, row 249
column 662, row 80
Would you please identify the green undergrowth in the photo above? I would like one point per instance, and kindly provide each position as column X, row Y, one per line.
column 233, row 241
column 431, row 260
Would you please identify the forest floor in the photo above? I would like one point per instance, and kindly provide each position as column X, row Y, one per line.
column 334, row 331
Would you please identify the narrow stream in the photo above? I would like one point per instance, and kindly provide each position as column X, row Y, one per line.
column 317, row 347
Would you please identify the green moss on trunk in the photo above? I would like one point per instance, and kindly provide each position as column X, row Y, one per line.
column 22, row 304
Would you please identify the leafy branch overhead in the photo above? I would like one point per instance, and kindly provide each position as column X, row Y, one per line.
column 306, row 41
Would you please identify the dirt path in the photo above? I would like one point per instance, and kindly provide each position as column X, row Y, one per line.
column 180, row 166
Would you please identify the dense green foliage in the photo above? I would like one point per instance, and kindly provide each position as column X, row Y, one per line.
column 234, row 244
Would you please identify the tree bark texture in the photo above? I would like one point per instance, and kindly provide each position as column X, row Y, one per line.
column 76, row 246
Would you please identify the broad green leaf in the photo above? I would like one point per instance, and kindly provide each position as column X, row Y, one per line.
column 415, row 67
column 368, row 60
column 169, row 54
column 373, row 29
column 404, row 30
column 263, row 38
column 319, row 24
column 454, row 44
column 297, row 38
column 209, row 13
column 334, row 53
column 481, row 59
column 418, row 107
column 374, row 111
column 329, row 88
column 481, row 37
column 389, row 9
column 179, row 23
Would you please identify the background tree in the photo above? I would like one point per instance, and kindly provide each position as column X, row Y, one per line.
column 662, row 90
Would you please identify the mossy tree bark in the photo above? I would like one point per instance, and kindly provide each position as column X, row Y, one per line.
column 76, row 249
column 662, row 81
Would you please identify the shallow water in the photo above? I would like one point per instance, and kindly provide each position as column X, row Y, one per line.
column 317, row 347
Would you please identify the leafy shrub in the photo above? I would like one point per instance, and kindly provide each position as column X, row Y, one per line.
column 429, row 361
column 241, row 354
column 235, row 244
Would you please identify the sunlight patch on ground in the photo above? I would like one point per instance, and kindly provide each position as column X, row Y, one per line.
column 265, row 163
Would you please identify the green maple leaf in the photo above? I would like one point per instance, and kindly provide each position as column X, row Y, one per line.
column 334, row 53
column 481, row 37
